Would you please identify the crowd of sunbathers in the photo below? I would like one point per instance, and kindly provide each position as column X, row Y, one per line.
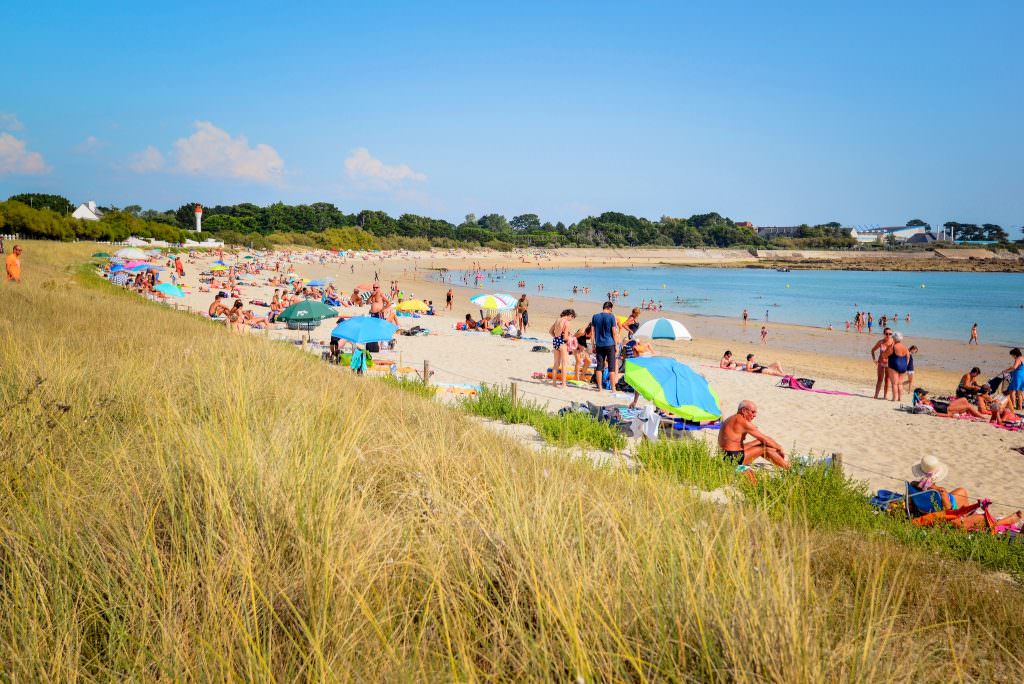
column 981, row 400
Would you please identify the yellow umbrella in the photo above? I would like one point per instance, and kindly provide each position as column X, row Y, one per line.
column 413, row 305
column 219, row 268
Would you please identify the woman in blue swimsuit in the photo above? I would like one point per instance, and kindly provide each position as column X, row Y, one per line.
column 1016, row 389
column 899, row 364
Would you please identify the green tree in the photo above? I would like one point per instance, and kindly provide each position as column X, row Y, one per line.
column 918, row 222
column 495, row 223
column 526, row 222
column 36, row 200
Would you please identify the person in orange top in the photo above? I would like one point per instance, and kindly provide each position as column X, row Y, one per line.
column 14, row 264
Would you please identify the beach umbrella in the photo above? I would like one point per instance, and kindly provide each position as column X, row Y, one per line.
column 218, row 262
column 365, row 287
column 219, row 268
column 413, row 305
column 363, row 329
column 102, row 255
column 663, row 329
column 673, row 387
column 131, row 253
column 494, row 302
column 117, row 268
column 121, row 278
column 135, row 262
column 169, row 290
column 316, row 283
column 309, row 310
column 153, row 252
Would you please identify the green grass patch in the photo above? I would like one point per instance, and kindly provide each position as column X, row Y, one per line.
column 574, row 429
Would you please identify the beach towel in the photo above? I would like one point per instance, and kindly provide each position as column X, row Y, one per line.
column 806, row 385
column 358, row 363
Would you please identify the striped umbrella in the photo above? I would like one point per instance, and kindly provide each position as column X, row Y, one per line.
column 494, row 302
column 663, row 329
column 121, row 278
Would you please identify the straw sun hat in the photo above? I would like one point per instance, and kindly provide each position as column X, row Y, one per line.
column 930, row 467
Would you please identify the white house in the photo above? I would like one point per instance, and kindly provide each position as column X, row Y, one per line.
column 899, row 233
column 87, row 211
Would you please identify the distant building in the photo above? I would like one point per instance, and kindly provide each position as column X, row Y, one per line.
column 921, row 238
column 744, row 224
column 87, row 211
column 898, row 233
column 778, row 231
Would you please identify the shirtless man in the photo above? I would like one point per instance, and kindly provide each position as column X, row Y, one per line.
column 217, row 307
column 734, row 431
column 883, row 347
column 378, row 302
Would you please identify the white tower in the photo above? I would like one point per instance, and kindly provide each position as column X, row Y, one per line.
column 199, row 218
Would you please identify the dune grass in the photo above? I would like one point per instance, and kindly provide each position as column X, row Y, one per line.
column 177, row 502
column 567, row 430
column 825, row 499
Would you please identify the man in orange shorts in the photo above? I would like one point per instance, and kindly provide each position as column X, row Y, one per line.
column 13, row 262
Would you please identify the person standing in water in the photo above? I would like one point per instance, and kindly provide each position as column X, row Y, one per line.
column 745, row 317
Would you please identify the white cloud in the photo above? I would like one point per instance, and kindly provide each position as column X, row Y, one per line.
column 213, row 152
column 9, row 122
column 147, row 160
column 15, row 158
column 90, row 145
column 362, row 166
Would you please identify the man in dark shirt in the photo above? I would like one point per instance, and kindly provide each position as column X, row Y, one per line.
column 603, row 327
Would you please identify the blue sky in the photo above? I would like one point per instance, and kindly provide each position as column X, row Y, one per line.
column 865, row 113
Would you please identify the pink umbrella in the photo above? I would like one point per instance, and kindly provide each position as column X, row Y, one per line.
column 133, row 264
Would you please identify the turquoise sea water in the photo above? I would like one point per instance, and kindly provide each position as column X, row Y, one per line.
column 942, row 305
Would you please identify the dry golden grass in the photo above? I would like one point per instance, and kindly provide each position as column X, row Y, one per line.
column 181, row 503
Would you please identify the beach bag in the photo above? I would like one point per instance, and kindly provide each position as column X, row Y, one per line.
column 805, row 383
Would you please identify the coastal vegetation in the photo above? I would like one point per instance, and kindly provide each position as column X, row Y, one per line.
column 181, row 503
column 322, row 224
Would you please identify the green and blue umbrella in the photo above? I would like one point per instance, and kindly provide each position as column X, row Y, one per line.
column 363, row 329
column 170, row 290
column 663, row 329
column 674, row 387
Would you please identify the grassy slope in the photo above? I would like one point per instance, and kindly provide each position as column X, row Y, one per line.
column 178, row 501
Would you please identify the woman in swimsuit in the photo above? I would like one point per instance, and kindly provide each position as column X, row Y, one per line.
column 1016, row 389
column 580, row 353
column 1000, row 411
column 632, row 322
column 559, row 335
column 947, row 409
column 727, row 362
column 898, row 363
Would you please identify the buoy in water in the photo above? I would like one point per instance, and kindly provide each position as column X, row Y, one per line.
column 787, row 286
column 922, row 284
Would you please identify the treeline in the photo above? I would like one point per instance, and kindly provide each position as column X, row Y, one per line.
column 322, row 224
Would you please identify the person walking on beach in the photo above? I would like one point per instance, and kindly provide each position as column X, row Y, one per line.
column 733, row 435
column 13, row 264
column 871, row 322
column 560, row 332
column 764, row 334
column 522, row 313
column 603, row 330
column 883, row 347
column 448, row 299
column 974, row 334
column 745, row 317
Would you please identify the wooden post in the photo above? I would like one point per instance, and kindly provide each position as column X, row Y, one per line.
column 837, row 461
column 305, row 341
column 515, row 394
column 426, row 372
column 189, row 308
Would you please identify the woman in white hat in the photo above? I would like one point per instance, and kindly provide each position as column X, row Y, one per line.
column 929, row 472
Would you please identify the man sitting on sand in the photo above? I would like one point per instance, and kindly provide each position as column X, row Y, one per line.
column 217, row 307
column 969, row 387
column 772, row 369
column 734, row 431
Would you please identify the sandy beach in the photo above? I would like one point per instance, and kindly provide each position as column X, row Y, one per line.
column 878, row 441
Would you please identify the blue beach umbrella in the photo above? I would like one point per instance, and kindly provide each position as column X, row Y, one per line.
column 170, row 290
column 674, row 387
column 116, row 268
column 316, row 283
column 363, row 329
column 663, row 329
